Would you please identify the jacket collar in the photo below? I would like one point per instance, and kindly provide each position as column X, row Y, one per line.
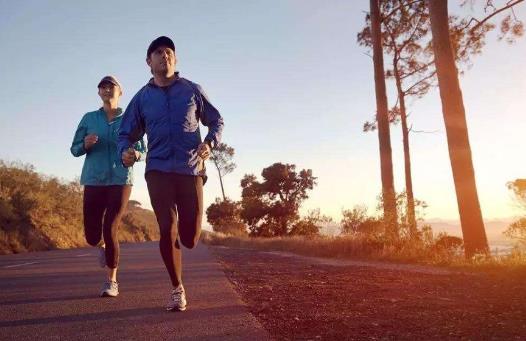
column 151, row 82
column 119, row 113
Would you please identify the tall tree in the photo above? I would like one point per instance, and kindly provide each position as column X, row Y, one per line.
column 405, row 39
column 446, row 47
column 382, row 117
column 475, row 240
column 222, row 156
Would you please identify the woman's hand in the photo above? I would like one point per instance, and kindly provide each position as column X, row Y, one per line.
column 90, row 140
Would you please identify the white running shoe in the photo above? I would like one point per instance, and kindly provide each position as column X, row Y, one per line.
column 109, row 289
column 177, row 300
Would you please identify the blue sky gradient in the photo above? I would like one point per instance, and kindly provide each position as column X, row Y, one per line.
column 289, row 78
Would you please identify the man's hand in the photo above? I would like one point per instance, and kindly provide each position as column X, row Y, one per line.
column 128, row 157
column 203, row 151
column 90, row 140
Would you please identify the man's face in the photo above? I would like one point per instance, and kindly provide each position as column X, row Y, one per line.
column 109, row 92
column 162, row 61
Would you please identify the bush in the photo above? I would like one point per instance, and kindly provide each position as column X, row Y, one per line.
column 356, row 221
column 39, row 212
column 309, row 225
column 224, row 216
column 448, row 244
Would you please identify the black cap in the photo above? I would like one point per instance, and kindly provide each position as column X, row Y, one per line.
column 161, row 41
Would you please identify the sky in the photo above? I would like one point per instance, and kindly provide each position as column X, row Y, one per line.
column 289, row 79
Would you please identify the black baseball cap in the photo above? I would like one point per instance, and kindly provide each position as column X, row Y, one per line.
column 161, row 41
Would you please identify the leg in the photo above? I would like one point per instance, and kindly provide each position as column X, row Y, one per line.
column 94, row 203
column 189, row 201
column 162, row 196
column 117, row 202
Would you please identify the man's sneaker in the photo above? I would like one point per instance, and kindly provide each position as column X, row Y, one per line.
column 109, row 289
column 177, row 300
column 102, row 256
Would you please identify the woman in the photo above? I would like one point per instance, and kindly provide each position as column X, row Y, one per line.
column 107, row 183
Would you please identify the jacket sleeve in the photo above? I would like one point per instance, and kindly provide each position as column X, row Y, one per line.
column 77, row 146
column 210, row 117
column 132, row 127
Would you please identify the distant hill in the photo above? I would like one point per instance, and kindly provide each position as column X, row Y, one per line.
column 39, row 212
column 494, row 230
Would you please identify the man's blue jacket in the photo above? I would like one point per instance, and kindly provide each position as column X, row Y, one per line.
column 170, row 118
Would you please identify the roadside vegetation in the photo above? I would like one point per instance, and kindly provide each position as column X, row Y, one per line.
column 39, row 212
column 267, row 218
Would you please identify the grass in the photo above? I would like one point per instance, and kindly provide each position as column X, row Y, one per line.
column 363, row 248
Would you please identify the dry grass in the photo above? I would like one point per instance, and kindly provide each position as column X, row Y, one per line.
column 356, row 247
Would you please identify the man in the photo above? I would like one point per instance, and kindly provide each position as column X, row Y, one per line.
column 168, row 109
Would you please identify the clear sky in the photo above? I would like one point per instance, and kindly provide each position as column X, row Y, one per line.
column 288, row 77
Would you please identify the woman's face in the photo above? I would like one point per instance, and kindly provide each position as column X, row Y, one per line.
column 109, row 92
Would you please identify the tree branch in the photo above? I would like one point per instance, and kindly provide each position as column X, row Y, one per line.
column 399, row 8
column 509, row 4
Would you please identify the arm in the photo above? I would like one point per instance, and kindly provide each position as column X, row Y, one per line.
column 131, row 130
column 211, row 118
column 77, row 146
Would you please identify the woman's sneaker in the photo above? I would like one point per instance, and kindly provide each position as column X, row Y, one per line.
column 177, row 300
column 102, row 256
column 109, row 289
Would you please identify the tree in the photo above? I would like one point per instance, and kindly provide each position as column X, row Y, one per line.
column 222, row 156
column 271, row 206
column 356, row 221
column 404, row 38
column 309, row 225
column 517, row 229
column 384, row 137
column 406, row 23
column 405, row 34
column 224, row 216
column 475, row 240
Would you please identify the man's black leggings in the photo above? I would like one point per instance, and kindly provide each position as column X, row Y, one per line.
column 104, row 207
column 176, row 196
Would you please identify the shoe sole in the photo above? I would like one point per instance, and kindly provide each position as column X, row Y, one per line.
column 105, row 294
column 176, row 309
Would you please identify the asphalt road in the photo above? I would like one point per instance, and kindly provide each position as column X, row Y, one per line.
column 54, row 296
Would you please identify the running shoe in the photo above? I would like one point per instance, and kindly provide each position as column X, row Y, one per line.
column 177, row 300
column 109, row 289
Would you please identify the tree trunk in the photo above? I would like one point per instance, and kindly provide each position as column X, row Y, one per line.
column 384, row 138
column 475, row 240
column 220, row 180
column 411, row 216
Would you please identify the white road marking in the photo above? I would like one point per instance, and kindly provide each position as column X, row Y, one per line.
column 17, row 265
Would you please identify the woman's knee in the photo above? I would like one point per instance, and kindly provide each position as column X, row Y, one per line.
column 92, row 240
column 189, row 241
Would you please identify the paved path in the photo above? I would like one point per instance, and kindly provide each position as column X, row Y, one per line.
column 54, row 296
